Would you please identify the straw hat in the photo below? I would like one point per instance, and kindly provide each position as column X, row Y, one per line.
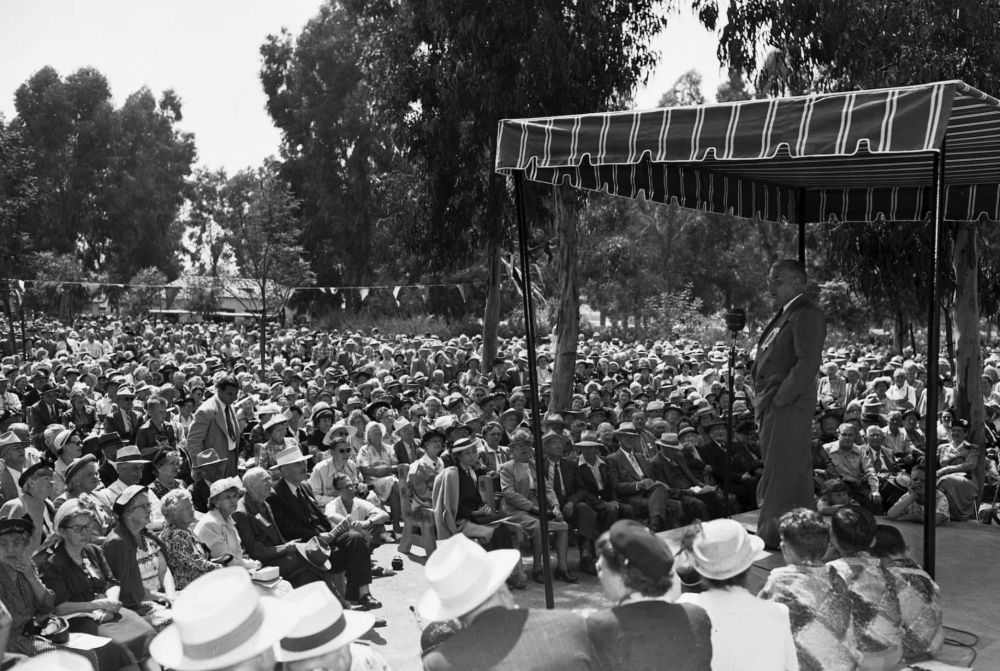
column 463, row 575
column 338, row 427
column 223, row 485
column 290, row 455
column 322, row 626
column 275, row 420
column 220, row 622
column 724, row 549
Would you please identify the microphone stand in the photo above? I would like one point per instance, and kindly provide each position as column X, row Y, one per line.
column 735, row 321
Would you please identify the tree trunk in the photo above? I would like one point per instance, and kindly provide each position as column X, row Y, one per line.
column 949, row 331
column 968, row 400
column 491, row 316
column 263, row 328
column 899, row 333
column 568, row 316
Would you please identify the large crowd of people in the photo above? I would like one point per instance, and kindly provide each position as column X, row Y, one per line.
column 148, row 465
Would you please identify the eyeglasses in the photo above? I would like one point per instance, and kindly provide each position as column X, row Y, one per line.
column 347, row 451
column 78, row 528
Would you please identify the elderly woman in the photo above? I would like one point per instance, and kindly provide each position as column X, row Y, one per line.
column 643, row 629
column 25, row 597
column 956, row 476
column 275, row 430
column 187, row 556
column 82, row 478
column 80, row 414
column 164, row 468
column 818, row 603
column 378, row 467
column 68, row 446
column 218, row 532
column 33, row 503
column 80, row 578
column 137, row 558
column 747, row 633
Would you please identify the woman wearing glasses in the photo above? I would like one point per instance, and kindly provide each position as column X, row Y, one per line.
column 80, row 578
column 68, row 446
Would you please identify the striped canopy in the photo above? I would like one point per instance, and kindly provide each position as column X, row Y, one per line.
column 856, row 156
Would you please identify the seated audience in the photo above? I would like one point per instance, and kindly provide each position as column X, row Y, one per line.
column 910, row 506
column 644, row 629
column 874, row 602
column 80, row 578
column 747, row 633
column 494, row 633
column 186, row 554
column 919, row 596
column 817, row 598
column 24, row 597
column 138, row 558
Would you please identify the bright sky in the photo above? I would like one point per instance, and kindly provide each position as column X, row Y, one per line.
column 207, row 51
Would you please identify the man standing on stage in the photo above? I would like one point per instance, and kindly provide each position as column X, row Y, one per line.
column 784, row 376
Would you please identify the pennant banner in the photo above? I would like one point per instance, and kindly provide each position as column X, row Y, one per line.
column 461, row 291
column 395, row 294
column 425, row 292
column 364, row 291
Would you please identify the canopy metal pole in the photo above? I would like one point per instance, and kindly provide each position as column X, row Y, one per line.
column 536, row 405
column 933, row 345
column 800, row 218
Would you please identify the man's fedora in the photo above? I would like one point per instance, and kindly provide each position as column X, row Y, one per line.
column 323, row 625
column 463, row 575
column 206, row 458
column 219, row 621
column 289, row 455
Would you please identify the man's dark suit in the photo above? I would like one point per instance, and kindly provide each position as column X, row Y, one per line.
column 784, row 377
column 741, row 461
column 40, row 415
column 299, row 517
column 115, row 422
column 663, row 512
column 406, row 455
column 674, row 472
column 523, row 639
column 260, row 537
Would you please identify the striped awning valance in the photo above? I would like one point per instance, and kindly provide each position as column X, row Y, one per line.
column 854, row 156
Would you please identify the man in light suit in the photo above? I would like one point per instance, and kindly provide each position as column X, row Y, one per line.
column 522, row 504
column 633, row 482
column 784, row 376
column 215, row 425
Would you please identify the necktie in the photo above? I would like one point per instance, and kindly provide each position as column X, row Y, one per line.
column 230, row 424
column 557, row 479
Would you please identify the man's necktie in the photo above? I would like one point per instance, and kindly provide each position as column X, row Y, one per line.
column 230, row 424
column 557, row 479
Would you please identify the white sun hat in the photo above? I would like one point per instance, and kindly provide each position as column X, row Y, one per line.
column 219, row 621
column 462, row 576
column 323, row 625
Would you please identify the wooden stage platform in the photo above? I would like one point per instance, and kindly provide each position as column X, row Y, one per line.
column 968, row 572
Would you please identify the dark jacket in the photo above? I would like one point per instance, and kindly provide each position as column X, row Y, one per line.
column 120, row 548
column 296, row 512
column 646, row 634
column 588, row 484
column 67, row 579
column 623, row 477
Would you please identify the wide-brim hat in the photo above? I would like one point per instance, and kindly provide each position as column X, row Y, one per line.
column 626, row 429
column 352, row 431
column 588, row 439
column 463, row 575
column 323, row 624
column 223, row 485
column 275, row 420
column 669, row 440
column 130, row 454
column 220, row 623
column 206, row 458
column 290, row 455
column 724, row 549
column 315, row 552
column 266, row 576
column 11, row 439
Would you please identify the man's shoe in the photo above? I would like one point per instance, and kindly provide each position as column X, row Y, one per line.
column 387, row 538
column 382, row 572
column 564, row 575
column 380, row 622
column 368, row 602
